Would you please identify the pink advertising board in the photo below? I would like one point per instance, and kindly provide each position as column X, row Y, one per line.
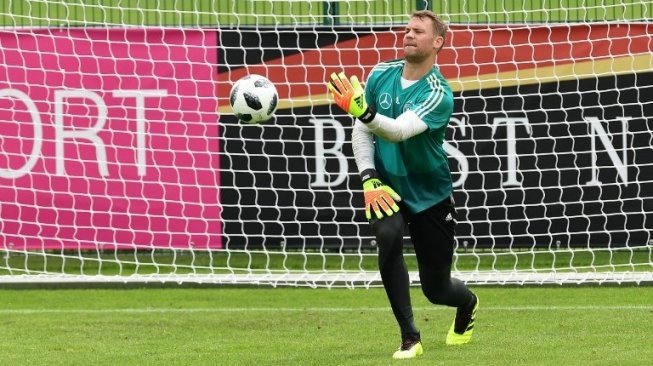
column 108, row 138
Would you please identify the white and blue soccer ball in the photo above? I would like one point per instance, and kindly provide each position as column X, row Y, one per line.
column 254, row 99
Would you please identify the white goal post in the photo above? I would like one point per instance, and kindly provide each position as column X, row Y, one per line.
column 120, row 160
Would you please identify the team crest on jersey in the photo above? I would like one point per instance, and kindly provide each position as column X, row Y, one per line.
column 408, row 106
column 385, row 101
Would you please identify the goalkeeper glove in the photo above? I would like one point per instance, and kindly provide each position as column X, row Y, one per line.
column 350, row 96
column 378, row 196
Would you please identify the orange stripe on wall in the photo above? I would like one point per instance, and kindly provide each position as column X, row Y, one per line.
column 570, row 71
column 539, row 75
column 469, row 52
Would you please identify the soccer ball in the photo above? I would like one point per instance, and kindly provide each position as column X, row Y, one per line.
column 253, row 99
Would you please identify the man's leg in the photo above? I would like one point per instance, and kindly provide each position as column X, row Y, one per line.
column 389, row 233
column 433, row 233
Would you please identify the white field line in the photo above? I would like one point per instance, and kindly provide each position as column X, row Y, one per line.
column 314, row 309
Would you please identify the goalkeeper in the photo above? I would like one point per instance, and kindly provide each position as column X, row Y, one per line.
column 397, row 141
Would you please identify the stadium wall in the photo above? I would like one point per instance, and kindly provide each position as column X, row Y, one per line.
column 549, row 134
column 109, row 146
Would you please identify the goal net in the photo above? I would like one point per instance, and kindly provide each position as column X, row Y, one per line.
column 120, row 160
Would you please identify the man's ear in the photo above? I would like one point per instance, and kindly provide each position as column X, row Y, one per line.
column 438, row 42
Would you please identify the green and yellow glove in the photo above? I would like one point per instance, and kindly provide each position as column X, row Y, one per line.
column 378, row 196
column 350, row 96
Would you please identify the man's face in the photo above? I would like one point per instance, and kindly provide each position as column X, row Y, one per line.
column 420, row 42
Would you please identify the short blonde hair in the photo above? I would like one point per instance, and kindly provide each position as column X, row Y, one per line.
column 440, row 28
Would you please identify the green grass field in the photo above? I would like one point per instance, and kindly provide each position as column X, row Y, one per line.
column 288, row 326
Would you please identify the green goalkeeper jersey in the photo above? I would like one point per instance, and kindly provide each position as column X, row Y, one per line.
column 417, row 168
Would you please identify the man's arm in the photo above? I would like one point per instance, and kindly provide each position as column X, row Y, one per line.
column 362, row 143
column 350, row 96
column 394, row 130
column 402, row 128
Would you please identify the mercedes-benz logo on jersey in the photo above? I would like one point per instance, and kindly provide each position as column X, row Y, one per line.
column 385, row 101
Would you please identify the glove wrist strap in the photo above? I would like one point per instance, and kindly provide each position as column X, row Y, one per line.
column 368, row 115
column 368, row 174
